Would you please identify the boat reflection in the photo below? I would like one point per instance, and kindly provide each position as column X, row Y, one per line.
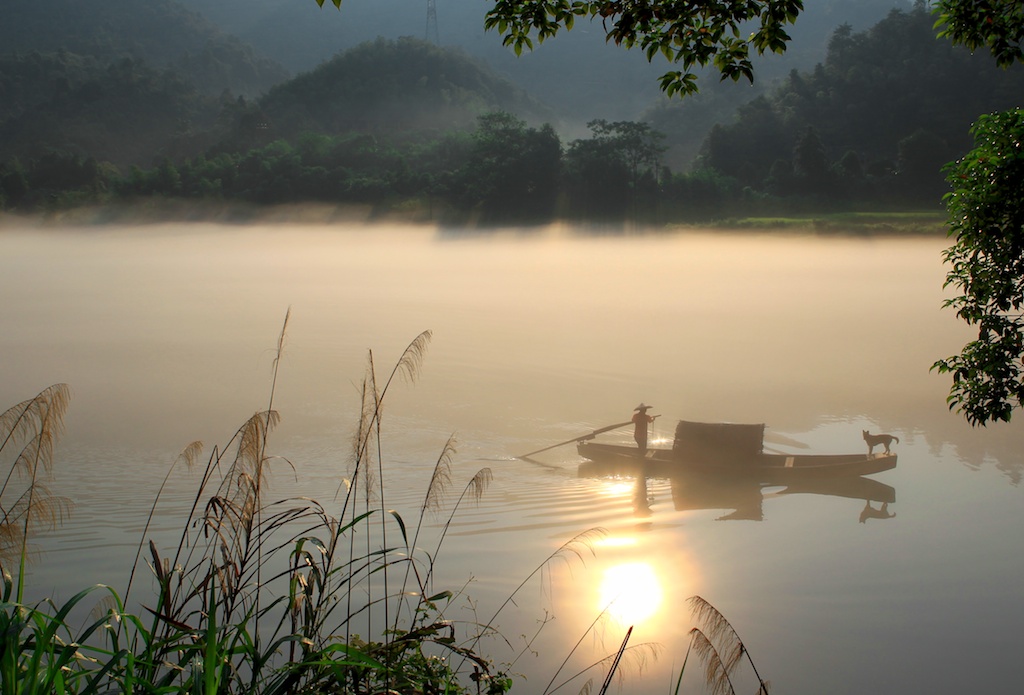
column 742, row 497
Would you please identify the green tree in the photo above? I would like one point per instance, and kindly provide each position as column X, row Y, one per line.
column 986, row 213
column 512, row 170
column 721, row 34
column 811, row 165
column 608, row 172
column 922, row 155
column 995, row 24
column 13, row 183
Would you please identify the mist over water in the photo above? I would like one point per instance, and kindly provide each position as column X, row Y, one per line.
column 166, row 334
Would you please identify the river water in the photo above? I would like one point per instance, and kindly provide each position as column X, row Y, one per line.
column 167, row 333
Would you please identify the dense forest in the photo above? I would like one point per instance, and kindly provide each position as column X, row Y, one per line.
column 404, row 125
column 160, row 33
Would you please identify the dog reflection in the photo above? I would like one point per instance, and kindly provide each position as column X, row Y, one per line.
column 870, row 512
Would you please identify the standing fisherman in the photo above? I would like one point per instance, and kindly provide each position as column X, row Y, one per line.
column 640, row 422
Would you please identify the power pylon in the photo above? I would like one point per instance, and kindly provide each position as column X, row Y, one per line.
column 431, row 35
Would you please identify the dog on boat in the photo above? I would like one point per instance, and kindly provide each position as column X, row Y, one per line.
column 874, row 440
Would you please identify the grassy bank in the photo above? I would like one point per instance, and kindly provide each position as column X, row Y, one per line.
column 911, row 223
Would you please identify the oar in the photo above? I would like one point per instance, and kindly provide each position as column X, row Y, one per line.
column 576, row 439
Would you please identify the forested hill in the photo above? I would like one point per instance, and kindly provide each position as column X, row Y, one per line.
column 892, row 102
column 578, row 72
column 385, row 86
column 127, row 113
column 122, row 112
column 161, row 33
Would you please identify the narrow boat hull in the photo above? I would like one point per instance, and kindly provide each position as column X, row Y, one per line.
column 765, row 468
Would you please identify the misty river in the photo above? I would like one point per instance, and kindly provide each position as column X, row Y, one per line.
column 167, row 334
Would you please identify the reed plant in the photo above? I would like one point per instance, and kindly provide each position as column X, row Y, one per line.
column 719, row 648
column 257, row 597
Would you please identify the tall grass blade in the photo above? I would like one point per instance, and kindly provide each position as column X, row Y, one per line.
column 188, row 456
column 615, row 663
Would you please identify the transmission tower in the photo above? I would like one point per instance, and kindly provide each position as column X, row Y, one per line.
column 431, row 35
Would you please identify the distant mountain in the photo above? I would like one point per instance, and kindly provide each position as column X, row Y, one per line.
column 392, row 87
column 577, row 72
column 160, row 32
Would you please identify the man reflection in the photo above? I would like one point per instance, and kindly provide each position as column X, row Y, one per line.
column 640, row 422
column 641, row 497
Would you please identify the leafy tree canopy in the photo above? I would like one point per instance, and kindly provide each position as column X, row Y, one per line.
column 994, row 24
column 986, row 214
column 692, row 34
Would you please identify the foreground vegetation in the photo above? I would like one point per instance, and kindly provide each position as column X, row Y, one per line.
column 271, row 597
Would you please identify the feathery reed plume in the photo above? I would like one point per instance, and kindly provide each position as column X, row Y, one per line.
column 39, row 420
column 474, row 489
column 716, row 673
column 412, row 358
column 369, row 434
column 719, row 631
column 408, row 367
column 731, row 649
column 263, row 445
column 440, row 480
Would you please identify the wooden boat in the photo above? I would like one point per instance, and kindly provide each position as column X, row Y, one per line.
column 769, row 468
column 734, row 450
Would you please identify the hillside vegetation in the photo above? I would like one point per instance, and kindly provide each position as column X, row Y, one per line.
column 892, row 103
column 391, row 87
column 407, row 127
column 161, row 33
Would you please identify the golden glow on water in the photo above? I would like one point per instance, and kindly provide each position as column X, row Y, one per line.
column 617, row 542
column 616, row 487
column 631, row 592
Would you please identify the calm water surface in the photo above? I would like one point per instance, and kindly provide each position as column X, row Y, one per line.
column 166, row 334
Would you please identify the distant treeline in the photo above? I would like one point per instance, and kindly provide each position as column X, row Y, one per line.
column 870, row 129
column 503, row 171
column 890, row 105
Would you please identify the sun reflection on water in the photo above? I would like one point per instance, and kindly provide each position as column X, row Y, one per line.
column 631, row 592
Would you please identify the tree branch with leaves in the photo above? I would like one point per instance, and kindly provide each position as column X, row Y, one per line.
column 986, row 215
column 719, row 33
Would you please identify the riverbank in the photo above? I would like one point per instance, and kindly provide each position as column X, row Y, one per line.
column 163, row 211
column 909, row 223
